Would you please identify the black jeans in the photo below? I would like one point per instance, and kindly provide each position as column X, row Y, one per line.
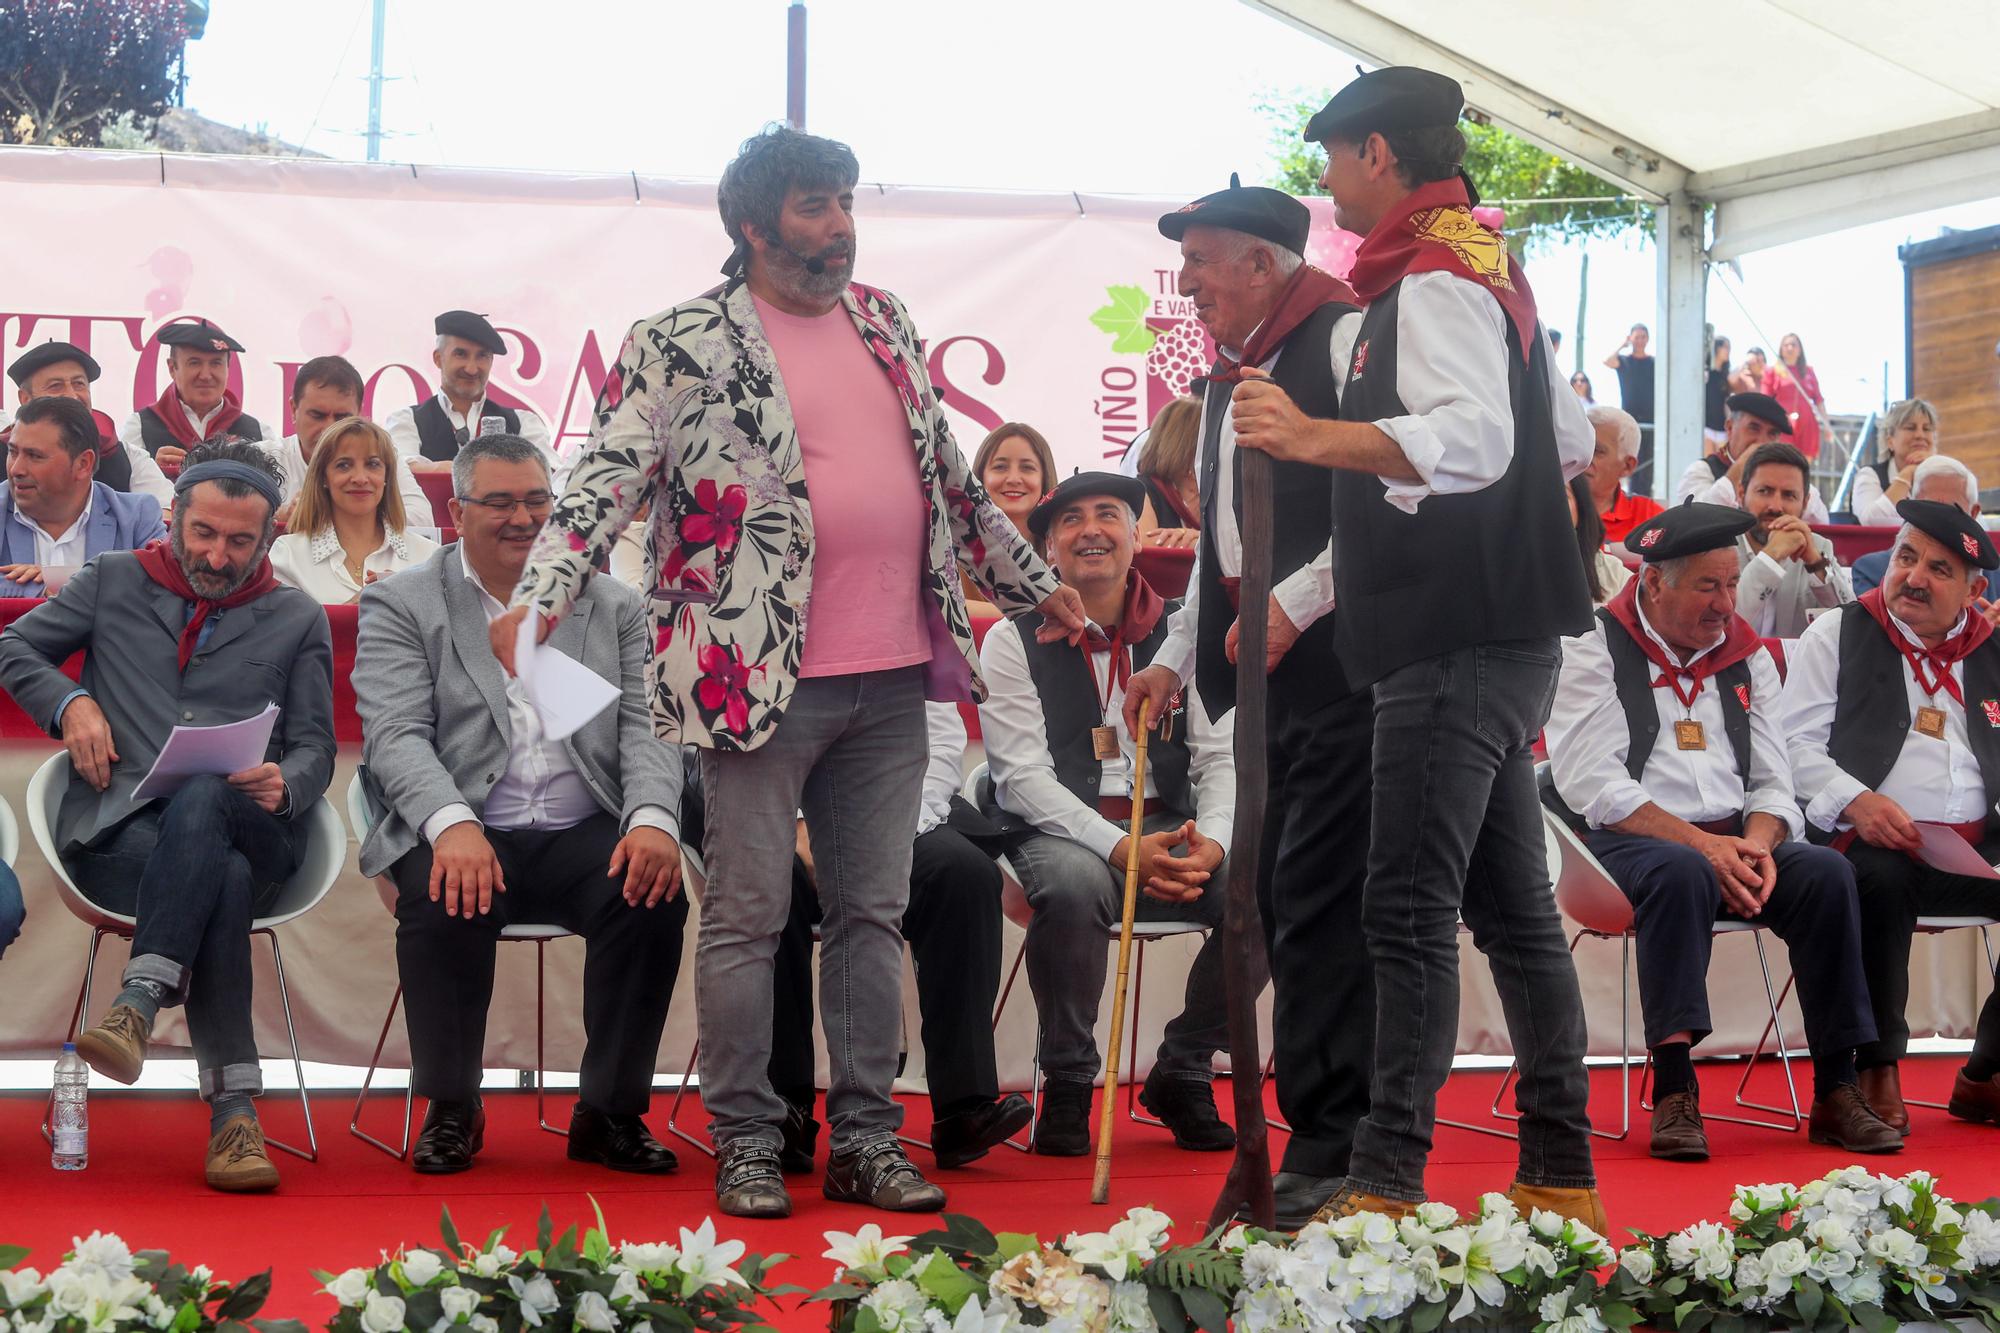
column 953, row 925
column 195, row 870
column 1309, row 896
column 1676, row 901
column 1895, row 890
column 631, row 959
column 1457, row 827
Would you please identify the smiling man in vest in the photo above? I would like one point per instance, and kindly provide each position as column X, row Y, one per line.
column 1062, row 760
column 1665, row 743
column 1892, row 708
column 429, row 434
column 197, row 403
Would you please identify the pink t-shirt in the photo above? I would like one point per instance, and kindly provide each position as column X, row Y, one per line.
column 869, row 513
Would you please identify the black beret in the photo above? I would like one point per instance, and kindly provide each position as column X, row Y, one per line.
column 1082, row 485
column 50, row 354
column 1687, row 529
column 1270, row 215
column 473, row 328
column 1383, row 101
column 198, row 334
column 1951, row 526
column 1762, row 406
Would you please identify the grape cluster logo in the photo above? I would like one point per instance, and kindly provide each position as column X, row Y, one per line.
column 1173, row 348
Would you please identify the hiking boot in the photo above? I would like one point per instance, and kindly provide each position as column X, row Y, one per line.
column 1578, row 1205
column 1843, row 1119
column 1678, row 1134
column 237, row 1159
column 1347, row 1201
column 1187, row 1105
column 881, row 1176
column 749, row 1181
column 116, row 1047
column 1063, row 1130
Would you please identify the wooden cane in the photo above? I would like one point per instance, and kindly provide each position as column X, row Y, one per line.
column 1100, row 1185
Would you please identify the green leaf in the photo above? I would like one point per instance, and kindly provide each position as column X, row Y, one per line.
column 837, row 1291
column 452, row 1244
column 948, row 1284
column 1012, row 1243
column 545, row 1230
column 1428, row 1316
column 188, row 1318
column 278, row 1326
column 1125, row 319
column 1206, row 1309
column 1168, row 1312
column 1618, row 1314
column 493, row 1238
column 12, row 1255
column 1810, row 1298
column 247, row 1299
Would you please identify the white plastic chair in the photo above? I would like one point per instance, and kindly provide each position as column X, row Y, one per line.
column 325, row 853
column 360, row 816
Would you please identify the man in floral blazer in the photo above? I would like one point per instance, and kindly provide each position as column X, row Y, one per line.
column 800, row 473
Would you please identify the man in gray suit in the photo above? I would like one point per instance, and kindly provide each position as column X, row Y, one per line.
column 192, row 631
column 489, row 823
column 1788, row 569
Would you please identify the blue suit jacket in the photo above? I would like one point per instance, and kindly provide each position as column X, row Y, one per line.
column 117, row 522
column 1869, row 571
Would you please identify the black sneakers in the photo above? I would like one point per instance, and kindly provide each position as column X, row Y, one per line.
column 1064, row 1127
column 1187, row 1105
column 880, row 1175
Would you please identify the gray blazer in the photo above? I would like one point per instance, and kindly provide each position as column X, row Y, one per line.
column 276, row 650
column 1787, row 593
column 433, row 703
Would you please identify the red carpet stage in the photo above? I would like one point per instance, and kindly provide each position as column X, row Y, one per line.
column 144, row 1182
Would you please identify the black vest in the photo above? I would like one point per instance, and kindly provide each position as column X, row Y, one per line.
column 440, row 437
column 1881, row 471
column 1871, row 710
column 1717, row 465
column 1302, row 521
column 1073, row 702
column 156, row 436
column 1483, row 567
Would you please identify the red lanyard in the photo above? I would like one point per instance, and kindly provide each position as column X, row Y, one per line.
column 1672, row 679
column 1121, row 664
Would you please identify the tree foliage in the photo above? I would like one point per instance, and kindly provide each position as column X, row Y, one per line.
column 69, row 68
column 1533, row 183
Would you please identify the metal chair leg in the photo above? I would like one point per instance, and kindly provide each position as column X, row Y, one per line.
column 701, row 1145
column 409, row 1090
column 1000, row 1007
column 1775, row 1026
column 1132, row 1057
column 541, row 1073
column 311, row 1153
column 1987, row 941
column 75, row 1026
column 1624, row 1043
column 1271, row 1062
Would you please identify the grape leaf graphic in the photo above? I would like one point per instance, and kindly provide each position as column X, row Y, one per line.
column 1125, row 320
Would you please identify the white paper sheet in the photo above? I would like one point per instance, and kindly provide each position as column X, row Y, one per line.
column 1950, row 853
column 566, row 693
column 193, row 752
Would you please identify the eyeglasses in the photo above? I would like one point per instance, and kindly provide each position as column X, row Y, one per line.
column 536, row 502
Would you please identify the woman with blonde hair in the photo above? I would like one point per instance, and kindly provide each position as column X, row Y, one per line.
column 1172, row 514
column 348, row 527
column 1909, row 434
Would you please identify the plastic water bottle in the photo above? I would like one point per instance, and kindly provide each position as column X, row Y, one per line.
column 70, row 1126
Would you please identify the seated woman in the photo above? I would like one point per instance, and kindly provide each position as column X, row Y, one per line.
column 1909, row 436
column 347, row 529
column 1172, row 513
column 1603, row 573
column 1015, row 465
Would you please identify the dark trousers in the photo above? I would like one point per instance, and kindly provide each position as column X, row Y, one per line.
column 1457, row 827
column 953, row 925
column 195, row 870
column 1309, row 896
column 559, row 878
column 1895, row 890
column 1676, row 901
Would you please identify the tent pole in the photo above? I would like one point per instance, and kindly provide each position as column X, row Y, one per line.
column 1680, row 343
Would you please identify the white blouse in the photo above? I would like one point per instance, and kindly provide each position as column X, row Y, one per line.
column 315, row 564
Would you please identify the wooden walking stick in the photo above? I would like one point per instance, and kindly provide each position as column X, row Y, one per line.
column 1100, row 1184
column 1246, row 1193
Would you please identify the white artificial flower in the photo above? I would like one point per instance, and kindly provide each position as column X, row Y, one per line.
column 655, row 1257
column 1151, row 1223
column 485, row 1265
column 1750, row 1278
column 351, row 1287
column 1366, row 1231
column 458, row 1303
column 1436, row 1216
column 1275, row 1309
column 594, row 1313
column 866, row 1248
column 21, row 1285
column 898, row 1306
column 537, row 1297
column 100, row 1254
column 202, row 1275
column 1557, row 1317
column 1131, row 1311
column 158, row 1313
column 382, row 1314
column 995, row 1315
column 73, row 1293
column 484, row 1323
column 1383, row 1286
column 1897, row 1247
column 627, row 1289
column 1978, row 1245
column 1235, row 1240
column 421, row 1268
column 1546, row 1224
column 23, row 1324
column 1705, row 1249
column 1538, row 1258
column 705, row 1261
column 1497, row 1245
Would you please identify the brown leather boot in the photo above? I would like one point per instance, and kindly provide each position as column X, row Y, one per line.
column 1882, row 1086
column 1978, row 1102
column 1578, row 1205
column 237, row 1159
column 1843, row 1119
column 1347, row 1201
column 116, row 1047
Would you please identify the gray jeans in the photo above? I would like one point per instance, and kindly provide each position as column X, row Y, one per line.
column 1078, row 898
column 850, row 752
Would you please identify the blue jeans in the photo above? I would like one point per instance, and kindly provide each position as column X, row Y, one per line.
column 1457, row 830
column 13, row 911
column 196, row 870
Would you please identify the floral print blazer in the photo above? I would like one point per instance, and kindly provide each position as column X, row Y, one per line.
column 694, row 419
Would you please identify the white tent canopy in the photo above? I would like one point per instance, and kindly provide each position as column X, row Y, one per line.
column 1793, row 117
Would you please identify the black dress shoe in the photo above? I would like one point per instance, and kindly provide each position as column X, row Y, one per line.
column 1064, row 1127
column 1298, row 1196
column 964, row 1138
column 800, row 1138
column 452, row 1133
column 621, row 1142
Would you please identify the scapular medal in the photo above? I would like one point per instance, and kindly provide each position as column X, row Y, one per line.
column 1688, row 735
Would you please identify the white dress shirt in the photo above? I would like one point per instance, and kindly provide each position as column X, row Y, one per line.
column 1934, row 779
column 541, row 788
column 1589, row 739
column 1869, row 503
column 1708, row 488
column 315, row 564
column 944, row 774
column 64, row 550
column 293, row 467
column 1024, row 776
column 1759, row 598
column 402, row 427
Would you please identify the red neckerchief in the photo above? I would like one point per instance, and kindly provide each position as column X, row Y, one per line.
column 1433, row 230
column 1739, row 643
column 1189, row 517
column 178, row 423
column 1309, row 289
column 1938, row 659
column 157, row 559
column 1143, row 609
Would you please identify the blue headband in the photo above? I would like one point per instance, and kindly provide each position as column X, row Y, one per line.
column 228, row 469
